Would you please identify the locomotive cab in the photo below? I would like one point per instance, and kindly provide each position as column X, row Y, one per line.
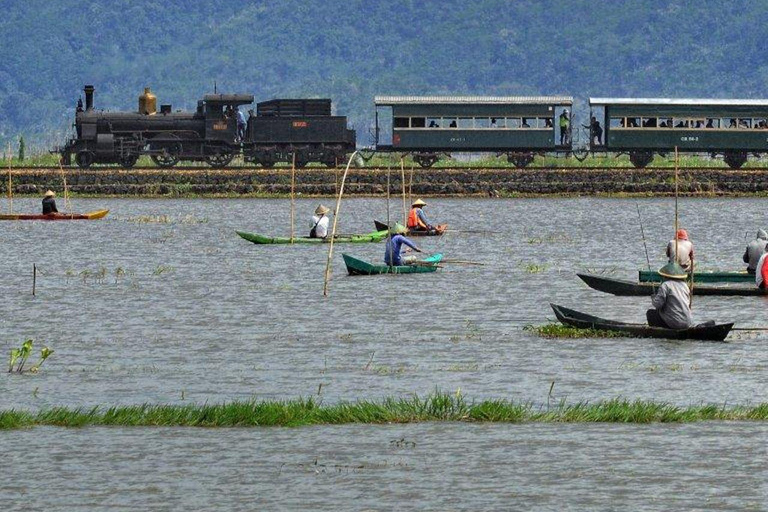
column 220, row 112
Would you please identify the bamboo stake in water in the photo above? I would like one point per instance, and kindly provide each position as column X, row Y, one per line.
column 335, row 219
column 410, row 187
column 402, row 178
column 34, row 278
column 389, row 232
column 10, row 187
column 293, row 186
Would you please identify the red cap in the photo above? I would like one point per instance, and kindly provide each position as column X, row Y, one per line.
column 682, row 234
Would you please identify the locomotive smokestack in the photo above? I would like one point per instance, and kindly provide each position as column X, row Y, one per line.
column 88, row 89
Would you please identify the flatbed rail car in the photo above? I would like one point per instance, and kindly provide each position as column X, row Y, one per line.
column 426, row 126
column 643, row 127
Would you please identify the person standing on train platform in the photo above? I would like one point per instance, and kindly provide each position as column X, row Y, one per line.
column 565, row 124
column 681, row 250
column 241, row 124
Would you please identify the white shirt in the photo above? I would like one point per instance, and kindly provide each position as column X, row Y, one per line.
column 759, row 270
column 322, row 225
column 686, row 251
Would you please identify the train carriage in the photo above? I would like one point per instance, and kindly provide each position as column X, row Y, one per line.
column 643, row 127
column 517, row 126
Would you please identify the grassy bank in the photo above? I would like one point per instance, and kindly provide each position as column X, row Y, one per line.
column 435, row 407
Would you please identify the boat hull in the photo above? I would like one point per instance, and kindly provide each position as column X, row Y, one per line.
column 357, row 267
column 96, row 214
column 438, row 231
column 651, row 276
column 625, row 288
column 573, row 318
column 376, row 236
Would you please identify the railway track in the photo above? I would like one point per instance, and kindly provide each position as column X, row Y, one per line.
column 394, row 170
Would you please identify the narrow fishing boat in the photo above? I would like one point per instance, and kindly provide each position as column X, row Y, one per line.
column 626, row 288
column 97, row 214
column 357, row 267
column 573, row 318
column 652, row 276
column 438, row 231
column 376, row 236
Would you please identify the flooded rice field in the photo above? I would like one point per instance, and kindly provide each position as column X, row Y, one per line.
column 161, row 302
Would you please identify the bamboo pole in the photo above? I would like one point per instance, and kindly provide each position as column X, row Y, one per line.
column 34, row 278
column 293, row 187
column 67, row 204
column 333, row 230
column 10, row 183
column 410, row 187
column 389, row 233
column 402, row 180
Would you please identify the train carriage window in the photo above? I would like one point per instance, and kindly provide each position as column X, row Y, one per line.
column 498, row 122
column 633, row 122
column 482, row 122
column 466, row 123
column 745, row 123
column 697, row 123
column 449, row 122
column 401, row 122
column 617, row 122
column 434, row 122
column 418, row 122
column 761, row 123
column 650, row 122
column 548, row 122
column 513, row 122
column 729, row 122
column 527, row 122
column 665, row 122
column 712, row 122
column 679, row 122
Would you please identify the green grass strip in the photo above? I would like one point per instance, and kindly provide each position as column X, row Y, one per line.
column 433, row 408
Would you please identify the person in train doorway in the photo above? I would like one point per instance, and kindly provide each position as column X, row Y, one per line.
column 761, row 272
column 241, row 124
column 683, row 249
column 595, row 131
column 755, row 251
column 565, row 123
column 49, row 203
column 672, row 302
column 395, row 242
column 417, row 219
column 320, row 222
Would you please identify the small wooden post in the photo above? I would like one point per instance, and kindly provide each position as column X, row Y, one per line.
column 293, row 188
column 34, row 278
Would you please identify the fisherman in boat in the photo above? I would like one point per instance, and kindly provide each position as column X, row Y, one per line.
column 672, row 302
column 683, row 248
column 755, row 250
column 320, row 222
column 417, row 219
column 395, row 242
column 761, row 274
column 49, row 203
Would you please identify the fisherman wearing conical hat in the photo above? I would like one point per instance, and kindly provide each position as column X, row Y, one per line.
column 49, row 203
column 672, row 302
column 395, row 242
column 320, row 222
column 683, row 248
column 417, row 220
column 755, row 250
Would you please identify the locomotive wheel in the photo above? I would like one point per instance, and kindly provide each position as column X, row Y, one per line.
column 219, row 159
column 166, row 160
column 641, row 159
column 425, row 161
column 520, row 160
column 301, row 160
column 128, row 160
column 735, row 159
column 330, row 160
column 266, row 162
column 84, row 159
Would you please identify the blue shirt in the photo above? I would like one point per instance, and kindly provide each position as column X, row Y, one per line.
column 396, row 242
column 423, row 217
column 240, row 117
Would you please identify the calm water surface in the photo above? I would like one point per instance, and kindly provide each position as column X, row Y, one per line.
column 181, row 310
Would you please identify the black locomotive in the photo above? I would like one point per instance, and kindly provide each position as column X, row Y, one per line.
column 281, row 131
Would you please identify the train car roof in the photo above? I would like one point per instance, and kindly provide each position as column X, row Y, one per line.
column 478, row 100
column 229, row 98
column 680, row 101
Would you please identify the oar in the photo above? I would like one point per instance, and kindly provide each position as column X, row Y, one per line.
column 749, row 328
column 463, row 262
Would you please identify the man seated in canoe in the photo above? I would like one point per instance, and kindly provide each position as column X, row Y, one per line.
column 755, row 250
column 683, row 249
column 395, row 242
column 417, row 219
column 49, row 203
column 672, row 302
column 320, row 223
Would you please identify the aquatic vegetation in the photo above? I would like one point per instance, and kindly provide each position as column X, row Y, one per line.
column 432, row 408
column 162, row 269
column 533, row 268
column 167, row 219
column 19, row 356
column 564, row 331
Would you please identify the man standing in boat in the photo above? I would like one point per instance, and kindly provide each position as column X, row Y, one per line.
column 672, row 302
column 49, row 203
column 417, row 219
column 755, row 250
column 320, row 222
column 395, row 242
column 683, row 248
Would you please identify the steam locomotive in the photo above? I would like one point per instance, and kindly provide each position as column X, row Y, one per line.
column 281, row 130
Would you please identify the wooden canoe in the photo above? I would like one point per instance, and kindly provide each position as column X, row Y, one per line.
column 96, row 214
column 357, row 267
column 628, row 288
column 438, row 231
column 716, row 332
column 651, row 276
column 376, row 236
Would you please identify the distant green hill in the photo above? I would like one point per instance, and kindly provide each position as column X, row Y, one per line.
column 352, row 50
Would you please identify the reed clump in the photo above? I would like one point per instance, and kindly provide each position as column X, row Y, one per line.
column 435, row 407
column 565, row 331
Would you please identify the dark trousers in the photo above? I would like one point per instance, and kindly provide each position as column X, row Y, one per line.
column 654, row 318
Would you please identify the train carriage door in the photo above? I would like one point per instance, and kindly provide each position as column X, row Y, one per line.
column 596, row 127
column 383, row 128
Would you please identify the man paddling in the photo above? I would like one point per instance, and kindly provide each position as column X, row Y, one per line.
column 49, row 203
column 755, row 250
column 683, row 248
column 417, row 219
column 320, row 222
column 395, row 242
column 672, row 302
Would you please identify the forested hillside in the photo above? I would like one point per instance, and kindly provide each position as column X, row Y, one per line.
column 351, row 50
